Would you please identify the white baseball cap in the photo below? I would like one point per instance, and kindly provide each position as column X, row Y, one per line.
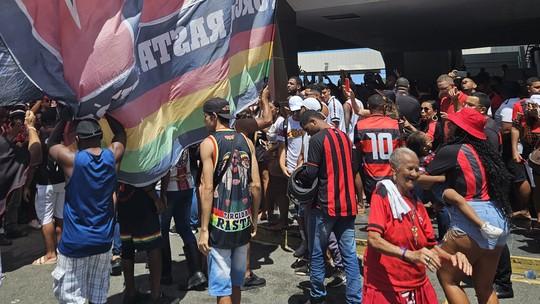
column 295, row 103
column 311, row 103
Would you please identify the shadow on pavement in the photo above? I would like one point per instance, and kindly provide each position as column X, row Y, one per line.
column 23, row 251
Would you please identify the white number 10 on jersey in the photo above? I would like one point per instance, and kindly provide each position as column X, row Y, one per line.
column 378, row 142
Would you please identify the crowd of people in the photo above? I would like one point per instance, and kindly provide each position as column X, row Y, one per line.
column 402, row 153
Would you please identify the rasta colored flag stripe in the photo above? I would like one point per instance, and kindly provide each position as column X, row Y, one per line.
column 150, row 63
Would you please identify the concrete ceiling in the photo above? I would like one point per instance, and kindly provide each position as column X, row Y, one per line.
column 398, row 25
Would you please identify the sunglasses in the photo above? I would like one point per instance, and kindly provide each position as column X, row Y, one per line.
column 425, row 109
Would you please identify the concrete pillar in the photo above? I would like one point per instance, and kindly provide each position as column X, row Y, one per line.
column 285, row 52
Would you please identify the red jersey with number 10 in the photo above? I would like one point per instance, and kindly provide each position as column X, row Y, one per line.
column 376, row 137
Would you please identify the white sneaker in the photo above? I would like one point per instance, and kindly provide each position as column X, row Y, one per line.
column 490, row 232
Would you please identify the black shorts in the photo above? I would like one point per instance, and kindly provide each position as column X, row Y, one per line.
column 138, row 219
column 517, row 170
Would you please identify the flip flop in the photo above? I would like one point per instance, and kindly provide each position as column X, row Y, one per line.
column 43, row 261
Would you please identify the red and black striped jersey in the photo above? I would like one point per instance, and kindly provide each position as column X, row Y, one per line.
column 375, row 138
column 331, row 151
column 463, row 169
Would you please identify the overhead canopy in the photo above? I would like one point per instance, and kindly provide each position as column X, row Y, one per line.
column 410, row 25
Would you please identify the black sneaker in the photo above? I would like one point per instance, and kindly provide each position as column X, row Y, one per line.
column 503, row 292
column 164, row 299
column 253, row 282
column 339, row 279
column 299, row 263
column 300, row 251
column 302, row 271
column 315, row 301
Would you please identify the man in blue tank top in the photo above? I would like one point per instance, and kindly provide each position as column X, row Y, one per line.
column 230, row 196
column 82, row 270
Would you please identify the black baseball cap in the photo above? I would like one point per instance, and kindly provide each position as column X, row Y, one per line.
column 88, row 128
column 219, row 106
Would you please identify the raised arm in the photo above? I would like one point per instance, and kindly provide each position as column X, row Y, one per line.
column 118, row 143
column 265, row 120
column 58, row 152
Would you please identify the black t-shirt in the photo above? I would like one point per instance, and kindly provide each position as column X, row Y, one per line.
column 463, row 169
column 492, row 133
column 48, row 172
column 409, row 107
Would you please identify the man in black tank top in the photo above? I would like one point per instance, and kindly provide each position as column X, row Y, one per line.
column 230, row 192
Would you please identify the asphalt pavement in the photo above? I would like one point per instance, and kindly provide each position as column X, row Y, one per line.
column 25, row 283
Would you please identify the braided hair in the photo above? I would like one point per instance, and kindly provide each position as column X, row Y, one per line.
column 498, row 177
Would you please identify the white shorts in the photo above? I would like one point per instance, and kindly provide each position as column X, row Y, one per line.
column 77, row 280
column 50, row 202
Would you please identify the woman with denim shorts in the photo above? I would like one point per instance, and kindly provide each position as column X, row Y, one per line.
column 477, row 173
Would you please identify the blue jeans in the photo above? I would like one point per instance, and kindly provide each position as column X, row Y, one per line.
column 117, row 242
column 194, row 217
column 321, row 225
column 178, row 206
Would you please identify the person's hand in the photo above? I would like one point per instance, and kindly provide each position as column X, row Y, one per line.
column 265, row 94
column 460, row 261
column 406, row 124
column 517, row 157
column 160, row 205
column 202, row 243
column 29, row 119
column 425, row 257
column 453, row 93
column 253, row 229
column 285, row 172
column 444, row 115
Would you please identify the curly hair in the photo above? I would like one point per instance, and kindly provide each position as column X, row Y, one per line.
column 498, row 177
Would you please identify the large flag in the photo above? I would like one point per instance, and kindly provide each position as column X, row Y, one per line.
column 150, row 63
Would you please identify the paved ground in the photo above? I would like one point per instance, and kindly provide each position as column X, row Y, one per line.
column 32, row 284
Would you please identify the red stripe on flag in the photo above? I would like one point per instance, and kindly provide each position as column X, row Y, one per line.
column 155, row 9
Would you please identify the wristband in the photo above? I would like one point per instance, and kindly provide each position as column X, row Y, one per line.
column 403, row 252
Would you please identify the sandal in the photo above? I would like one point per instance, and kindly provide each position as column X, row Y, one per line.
column 44, row 261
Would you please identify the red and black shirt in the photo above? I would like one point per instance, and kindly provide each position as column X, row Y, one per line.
column 375, row 138
column 463, row 169
column 330, row 150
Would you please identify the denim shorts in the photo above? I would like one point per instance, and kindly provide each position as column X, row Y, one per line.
column 487, row 212
column 226, row 268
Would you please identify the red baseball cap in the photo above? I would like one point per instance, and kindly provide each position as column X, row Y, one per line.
column 471, row 121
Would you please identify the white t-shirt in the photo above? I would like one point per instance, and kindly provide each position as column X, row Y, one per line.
column 294, row 141
column 504, row 112
column 354, row 118
column 273, row 134
column 335, row 110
